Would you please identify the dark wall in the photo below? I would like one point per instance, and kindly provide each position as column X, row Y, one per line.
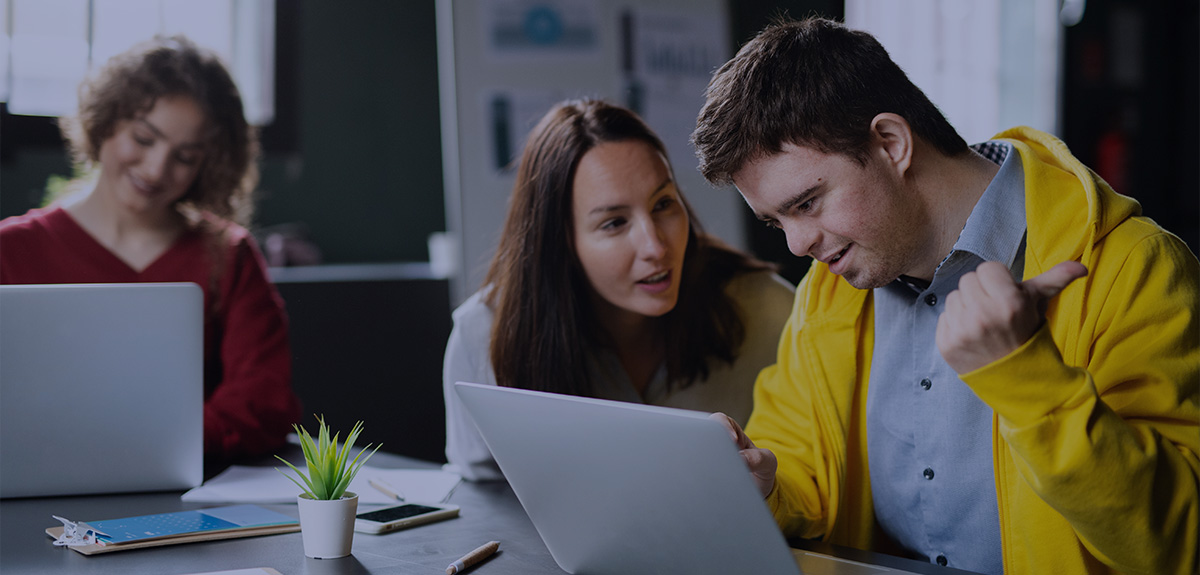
column 1132, row 104
column 366, row 177
column 372, row 351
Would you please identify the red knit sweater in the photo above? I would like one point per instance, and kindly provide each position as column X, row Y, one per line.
column 249, row 405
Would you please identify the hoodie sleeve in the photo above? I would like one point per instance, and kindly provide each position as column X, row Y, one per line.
column 1099, row 409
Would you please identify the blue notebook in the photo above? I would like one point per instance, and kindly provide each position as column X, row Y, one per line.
column 183, row 527
column 188, row 522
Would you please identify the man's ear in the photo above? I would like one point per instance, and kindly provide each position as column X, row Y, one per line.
column 892, row 136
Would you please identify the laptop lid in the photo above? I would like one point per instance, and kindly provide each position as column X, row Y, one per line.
column 626, row 488
column 101, row 388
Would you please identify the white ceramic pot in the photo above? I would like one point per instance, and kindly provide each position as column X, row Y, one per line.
column 327, row 526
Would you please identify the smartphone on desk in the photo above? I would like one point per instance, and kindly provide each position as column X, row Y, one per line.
column 402, row 517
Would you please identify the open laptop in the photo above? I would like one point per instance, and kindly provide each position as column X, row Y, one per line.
column 617, row 488
column 101, row 388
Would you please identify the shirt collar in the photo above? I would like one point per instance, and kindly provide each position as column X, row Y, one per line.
column 996, row 225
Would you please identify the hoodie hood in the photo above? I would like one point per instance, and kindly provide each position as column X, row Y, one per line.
column 1063, row 194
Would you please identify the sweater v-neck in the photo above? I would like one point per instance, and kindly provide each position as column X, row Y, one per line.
column 73, row 233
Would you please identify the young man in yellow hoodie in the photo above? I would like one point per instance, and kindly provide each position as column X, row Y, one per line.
column 994, row 362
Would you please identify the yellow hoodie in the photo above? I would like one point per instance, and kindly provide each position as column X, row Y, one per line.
column 1097, row 417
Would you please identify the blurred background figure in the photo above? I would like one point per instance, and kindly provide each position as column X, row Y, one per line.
column 168, row 164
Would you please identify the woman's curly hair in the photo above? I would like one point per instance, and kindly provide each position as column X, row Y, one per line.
column 130, row 83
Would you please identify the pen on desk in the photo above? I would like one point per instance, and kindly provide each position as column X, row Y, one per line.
column 482, row 552
column 386, row 489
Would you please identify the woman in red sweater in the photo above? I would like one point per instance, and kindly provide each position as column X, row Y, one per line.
column 170, row 164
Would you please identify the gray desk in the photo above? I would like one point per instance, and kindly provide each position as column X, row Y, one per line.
column 489, row 511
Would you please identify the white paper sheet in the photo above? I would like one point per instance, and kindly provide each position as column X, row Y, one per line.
column 243, row 484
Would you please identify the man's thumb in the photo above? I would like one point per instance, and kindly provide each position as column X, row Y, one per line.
column 1054, row 280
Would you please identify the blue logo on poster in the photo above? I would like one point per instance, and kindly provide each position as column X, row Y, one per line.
column 543, row 25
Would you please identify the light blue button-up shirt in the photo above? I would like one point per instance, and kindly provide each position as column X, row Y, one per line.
column 929, row 438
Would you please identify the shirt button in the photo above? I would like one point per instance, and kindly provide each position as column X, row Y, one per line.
column 928, row 473
column 926, row 384
column 931, row 300
column 941, row 560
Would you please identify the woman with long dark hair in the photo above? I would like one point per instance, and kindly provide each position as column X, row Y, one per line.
column 604, row 285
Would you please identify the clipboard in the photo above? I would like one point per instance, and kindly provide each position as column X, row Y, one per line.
column 214, row 524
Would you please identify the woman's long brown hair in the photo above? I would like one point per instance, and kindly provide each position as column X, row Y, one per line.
column 544, row 323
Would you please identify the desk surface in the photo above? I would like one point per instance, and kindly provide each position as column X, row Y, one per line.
column 489, row 511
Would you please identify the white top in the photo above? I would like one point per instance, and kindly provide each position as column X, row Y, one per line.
column 764, row 300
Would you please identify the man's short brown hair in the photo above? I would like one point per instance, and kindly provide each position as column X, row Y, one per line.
column 812, row 83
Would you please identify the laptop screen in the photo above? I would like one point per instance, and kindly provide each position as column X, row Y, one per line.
column 101, row 388
column 627, row 488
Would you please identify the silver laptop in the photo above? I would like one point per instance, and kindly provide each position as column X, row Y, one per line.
column 101, row 388
column 618, row 488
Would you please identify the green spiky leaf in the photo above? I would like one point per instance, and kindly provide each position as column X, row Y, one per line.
column 330, row 470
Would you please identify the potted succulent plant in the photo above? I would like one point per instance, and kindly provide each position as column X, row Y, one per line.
column 326, row 508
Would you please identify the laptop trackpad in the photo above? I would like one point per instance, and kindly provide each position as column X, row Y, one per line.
column 818, row 564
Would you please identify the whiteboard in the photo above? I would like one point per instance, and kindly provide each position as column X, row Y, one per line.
column 503, row 63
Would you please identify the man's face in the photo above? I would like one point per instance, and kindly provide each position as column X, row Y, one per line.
column 861, row 220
